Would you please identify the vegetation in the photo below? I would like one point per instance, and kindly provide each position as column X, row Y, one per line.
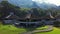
column 55, row 31
column 9, row 29
column 57, row 24
column 22, row 11
column 6, row 9
column 42, row 28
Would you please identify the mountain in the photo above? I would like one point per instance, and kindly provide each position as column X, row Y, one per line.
column 58, row 7
column 21, row 3
column 46, row 5
column 0, row 0
column 31, row 4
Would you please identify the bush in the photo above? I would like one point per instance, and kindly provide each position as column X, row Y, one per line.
column 57, row 24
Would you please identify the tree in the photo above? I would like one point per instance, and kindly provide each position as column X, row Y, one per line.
column 35, row 11
column 57, row 23
column 8, row 8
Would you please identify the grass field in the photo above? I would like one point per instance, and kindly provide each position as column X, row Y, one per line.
column 41, row 28
column 9, row 29
column 55, row 31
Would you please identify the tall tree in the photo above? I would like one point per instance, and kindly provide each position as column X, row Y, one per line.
column 7, row 8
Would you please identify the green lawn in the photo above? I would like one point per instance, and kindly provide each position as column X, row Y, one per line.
column 41, row 28
column 9, row 29
column 55, row 31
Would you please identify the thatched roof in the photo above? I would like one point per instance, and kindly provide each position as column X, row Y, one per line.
column 57, row 16
column 28, row 16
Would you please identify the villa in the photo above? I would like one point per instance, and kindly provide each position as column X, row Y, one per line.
column 29, row 19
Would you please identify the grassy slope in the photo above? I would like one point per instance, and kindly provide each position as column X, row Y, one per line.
column 55, row 31
column 9, row 29
column 41, row 28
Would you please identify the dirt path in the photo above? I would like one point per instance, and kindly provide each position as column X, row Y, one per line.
column 50, row 28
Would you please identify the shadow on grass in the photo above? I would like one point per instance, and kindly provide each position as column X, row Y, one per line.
column 31, row 28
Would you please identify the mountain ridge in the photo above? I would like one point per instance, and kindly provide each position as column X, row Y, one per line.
column 31, row 4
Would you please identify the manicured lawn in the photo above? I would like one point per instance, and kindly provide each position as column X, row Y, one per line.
column 41, row 28
column 9, row 29
column 55, row 31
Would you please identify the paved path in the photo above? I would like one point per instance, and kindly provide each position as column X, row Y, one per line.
column 50, row 28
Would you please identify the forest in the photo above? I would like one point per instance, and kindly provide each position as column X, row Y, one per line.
column 52, row 13
column 6, row 8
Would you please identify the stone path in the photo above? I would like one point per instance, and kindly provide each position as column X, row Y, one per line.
column 50, row 28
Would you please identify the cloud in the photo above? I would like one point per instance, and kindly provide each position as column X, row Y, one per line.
column 56, row 2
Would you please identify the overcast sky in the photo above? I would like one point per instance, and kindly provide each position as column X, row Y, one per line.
column 56, row 2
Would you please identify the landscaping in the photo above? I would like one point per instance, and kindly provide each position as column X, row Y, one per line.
column 9, row 29
column 55, row 31
column 41, row 28
column 16, row 19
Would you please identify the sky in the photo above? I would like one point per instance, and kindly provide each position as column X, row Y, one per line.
column 56, row 2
